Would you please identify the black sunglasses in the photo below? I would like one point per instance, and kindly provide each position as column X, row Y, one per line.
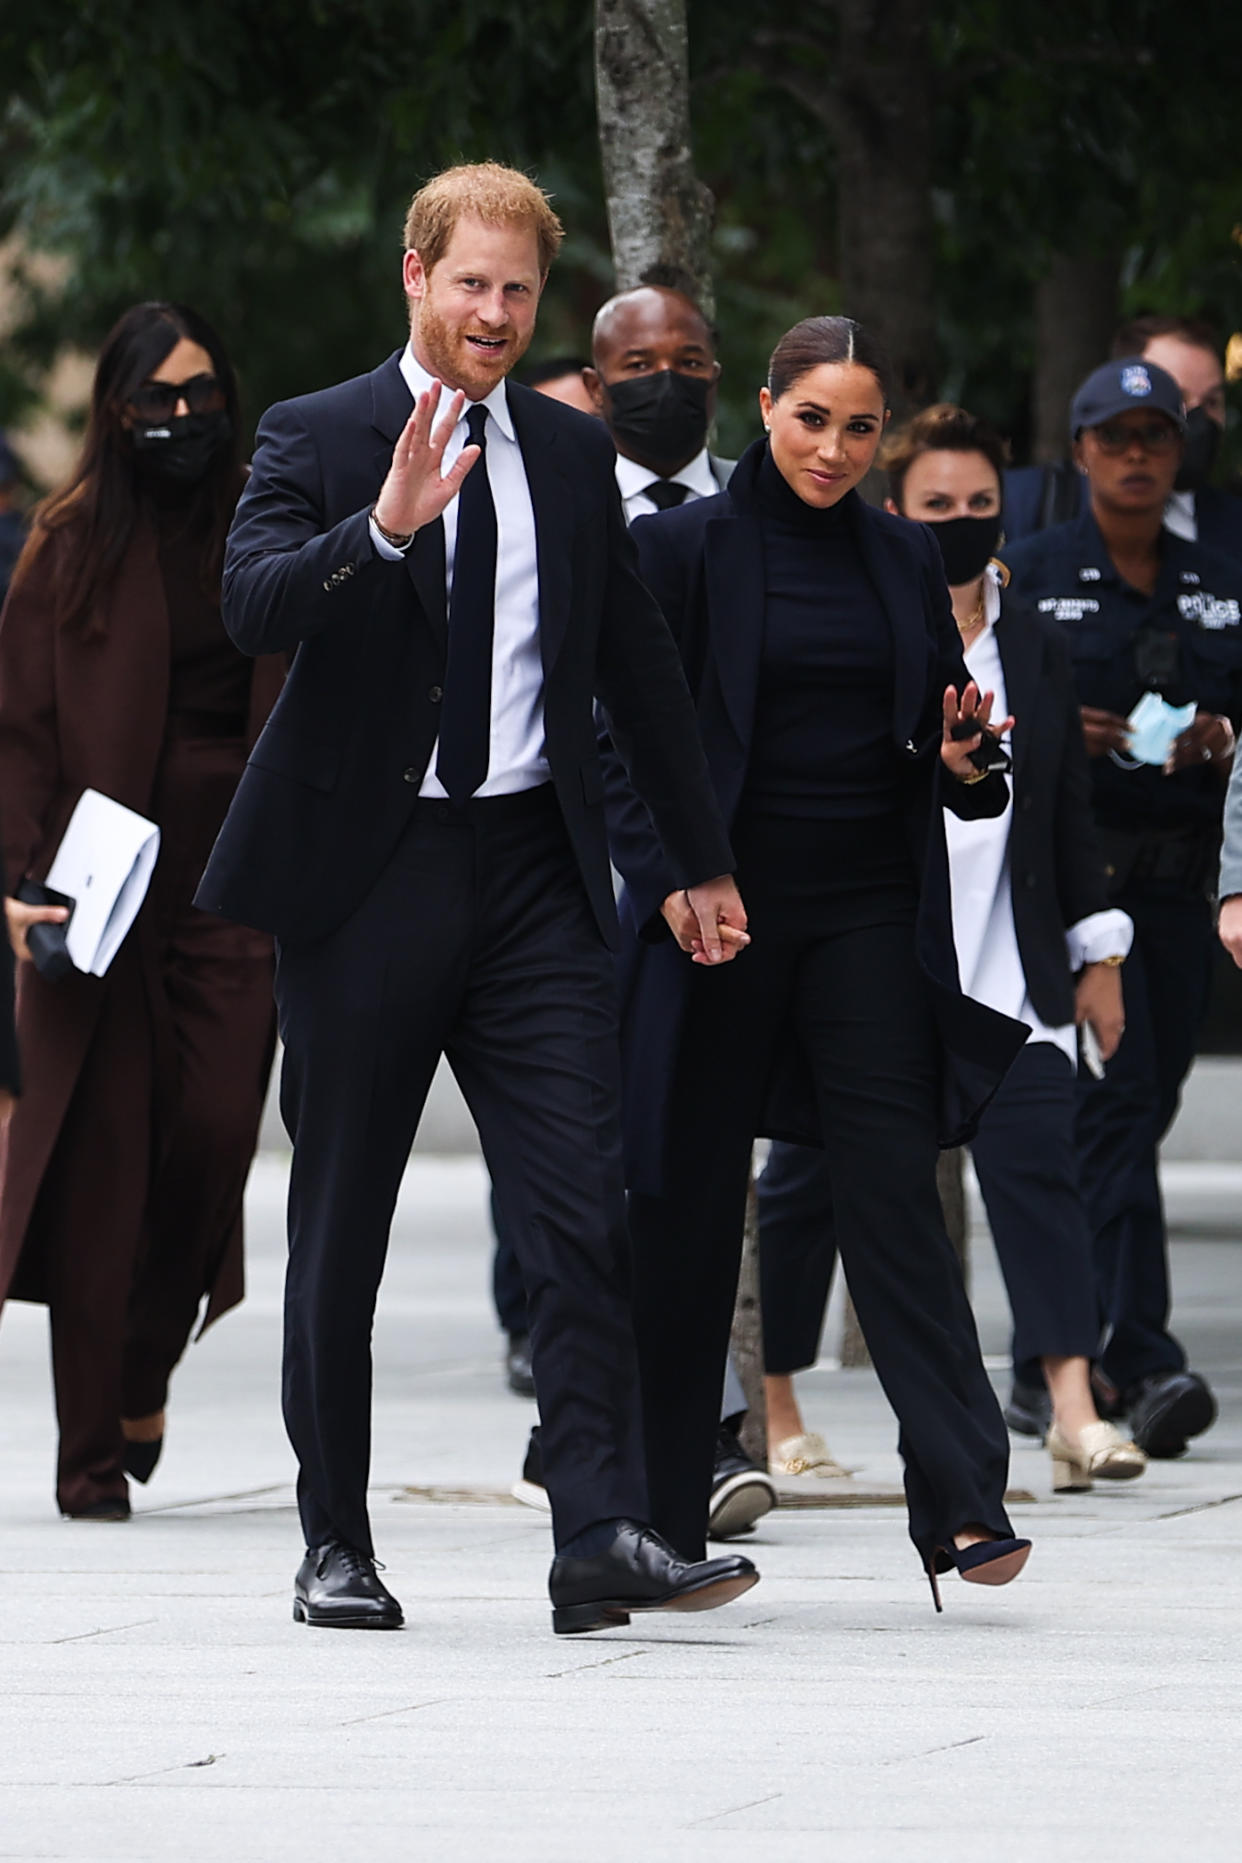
column 1154, row 436
column 157, row 401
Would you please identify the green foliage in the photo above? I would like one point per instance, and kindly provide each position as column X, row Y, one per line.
column 257, row 160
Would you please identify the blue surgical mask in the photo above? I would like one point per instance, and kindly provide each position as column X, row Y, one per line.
column 1154, row 724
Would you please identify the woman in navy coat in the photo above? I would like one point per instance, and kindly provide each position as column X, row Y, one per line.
column 818, row 639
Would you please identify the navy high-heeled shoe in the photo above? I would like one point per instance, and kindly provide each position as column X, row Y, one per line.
column 140, row 1458
column 988, row 1562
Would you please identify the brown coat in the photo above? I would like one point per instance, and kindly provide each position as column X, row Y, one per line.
column 77, row 713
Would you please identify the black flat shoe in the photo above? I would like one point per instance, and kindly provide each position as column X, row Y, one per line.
column 518, row 1369
column 140, row 1458
column 639, row 1572
column 989, row 1562
column 742, row 1492
column 117, row 1508
column 1029, row 1410
column 1167, row 1409
column 337, row 1587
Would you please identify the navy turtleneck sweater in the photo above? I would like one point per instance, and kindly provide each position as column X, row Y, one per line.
column 822, row 745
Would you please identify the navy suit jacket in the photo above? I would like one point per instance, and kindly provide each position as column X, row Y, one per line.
column 330, row 784
column 704, row 563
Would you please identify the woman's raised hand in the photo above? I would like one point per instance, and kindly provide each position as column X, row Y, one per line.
column 415, row 493
column 973, row 709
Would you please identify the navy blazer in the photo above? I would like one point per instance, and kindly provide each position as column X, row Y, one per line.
column 1056, row 866
column 331, row 782
column 704, row 563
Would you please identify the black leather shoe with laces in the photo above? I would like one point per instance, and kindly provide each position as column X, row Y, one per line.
column 639, row 1572
column 338, row 1587
column 1167, row 1409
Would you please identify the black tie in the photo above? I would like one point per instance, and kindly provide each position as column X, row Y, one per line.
column 665, row 493
column 466, row 716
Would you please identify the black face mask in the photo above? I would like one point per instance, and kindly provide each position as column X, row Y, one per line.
column 1203, row 438
column 966, row 543
column 180, row 450
column 660, row 418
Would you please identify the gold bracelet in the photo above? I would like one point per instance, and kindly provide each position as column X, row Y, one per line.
column 1112, row 963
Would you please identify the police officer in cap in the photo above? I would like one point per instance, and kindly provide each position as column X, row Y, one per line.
column 1156, row 620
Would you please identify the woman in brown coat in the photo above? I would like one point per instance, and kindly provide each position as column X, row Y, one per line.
column 123, row 1165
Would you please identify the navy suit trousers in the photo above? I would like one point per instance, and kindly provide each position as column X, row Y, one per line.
column 477, row 942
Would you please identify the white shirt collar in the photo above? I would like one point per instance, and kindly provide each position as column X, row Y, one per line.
column 697, row 475
column 418, row 381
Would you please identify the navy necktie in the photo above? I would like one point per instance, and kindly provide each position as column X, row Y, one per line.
column 665, row 493
column 466, row 713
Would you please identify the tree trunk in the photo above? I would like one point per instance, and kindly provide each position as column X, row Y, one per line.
column 746, row 1343
column 1076, row 308
column 881, row 118
column 659, row 213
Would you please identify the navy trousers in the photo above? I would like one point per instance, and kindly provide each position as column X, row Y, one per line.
column 1027, row 1167
column 477, row 942
column 1122, row 1119
column 858, row 1000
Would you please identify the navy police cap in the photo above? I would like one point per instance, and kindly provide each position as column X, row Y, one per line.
column 1116, row 387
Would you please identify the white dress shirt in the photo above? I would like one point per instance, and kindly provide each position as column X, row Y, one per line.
column 989, row 963
column 518, row 752
column 633, row 480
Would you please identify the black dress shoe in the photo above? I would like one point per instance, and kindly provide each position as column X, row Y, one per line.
column 1029, row 1410
column 337, row 1587
column 531, row 1490
column 518, row 1367
column 140, row 1458
column 639, row 1572
column 1168, row 1408
column 742, row 1492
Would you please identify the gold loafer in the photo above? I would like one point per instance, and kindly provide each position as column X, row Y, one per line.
column 805, row 1455
column 1100, row 1454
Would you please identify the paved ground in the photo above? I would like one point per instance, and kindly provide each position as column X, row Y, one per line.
column 157, row 1702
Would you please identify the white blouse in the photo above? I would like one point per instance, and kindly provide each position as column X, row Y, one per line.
column 983, row 929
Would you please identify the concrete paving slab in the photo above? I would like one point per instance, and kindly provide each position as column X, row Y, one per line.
column 157, row 1702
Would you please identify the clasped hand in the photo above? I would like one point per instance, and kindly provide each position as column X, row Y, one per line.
column 974, row 708
column 415, row 493
column 708, row 921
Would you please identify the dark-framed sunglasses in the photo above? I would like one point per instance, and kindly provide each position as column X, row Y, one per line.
column 157, row 401
column 1154, row 436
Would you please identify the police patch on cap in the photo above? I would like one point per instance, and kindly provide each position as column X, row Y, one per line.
column 1117, row 387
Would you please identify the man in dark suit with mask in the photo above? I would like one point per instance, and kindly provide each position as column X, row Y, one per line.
column 421, row 827
column 654, row 382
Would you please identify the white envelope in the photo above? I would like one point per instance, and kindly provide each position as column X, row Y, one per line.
column 104, row 863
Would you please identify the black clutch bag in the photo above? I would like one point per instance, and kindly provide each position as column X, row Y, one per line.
column 46, row 942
